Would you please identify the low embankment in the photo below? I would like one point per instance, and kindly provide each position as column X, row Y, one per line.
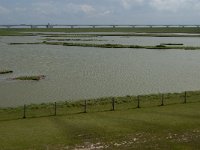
column 98, row 105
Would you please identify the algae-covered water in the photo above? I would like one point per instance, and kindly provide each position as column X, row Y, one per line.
column 74, row 73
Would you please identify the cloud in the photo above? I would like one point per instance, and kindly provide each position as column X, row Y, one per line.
column 20, row 9
column 4, row 10
column 106, row 11
column 53, row 8
column 127, row 4
column 91, row 11
column 172, row 5
column 162, row 5
column 87, row 9
column 44, row 8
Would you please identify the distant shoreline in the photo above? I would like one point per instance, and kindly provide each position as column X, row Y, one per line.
column 20, row 31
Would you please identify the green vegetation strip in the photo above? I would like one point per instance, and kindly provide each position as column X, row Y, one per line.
column 18, row 31
column 172, row 46
column 6, row 71
column 151, row 32
column 24, row 43
column 71, row 35
column 35, row 78
column 80, row 32
column 169, row 127
column 49, row 39
column 121, row 46
column 98, row 105
column 120, row 34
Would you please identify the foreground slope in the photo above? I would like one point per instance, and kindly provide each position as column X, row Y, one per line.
column 169, row 127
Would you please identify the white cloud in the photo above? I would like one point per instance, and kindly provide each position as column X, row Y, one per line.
column 70, row 8
column 91, row 11
column 105, row 13
column 163, row 5
column 87, row 9
column 172, row 5
column 128, row 3
column 4, row 10
column 55, row 8
column 108, row 11
column 44, row 8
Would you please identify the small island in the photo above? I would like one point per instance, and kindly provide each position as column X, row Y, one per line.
column 6, row 71
column 34, row 78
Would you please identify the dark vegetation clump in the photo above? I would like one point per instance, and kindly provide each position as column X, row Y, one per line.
column 6, row 71
column 34, row 78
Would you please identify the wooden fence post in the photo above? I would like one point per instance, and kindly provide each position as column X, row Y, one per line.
column 162, row 100
column 55, row 109
column 113, row 104
column 185, row 97
column 24, row 116
column 85, row 107
column 138, row 100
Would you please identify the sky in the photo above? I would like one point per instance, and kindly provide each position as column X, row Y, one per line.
column 100, row 12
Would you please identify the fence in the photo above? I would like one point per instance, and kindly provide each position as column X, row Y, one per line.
column 98, row 105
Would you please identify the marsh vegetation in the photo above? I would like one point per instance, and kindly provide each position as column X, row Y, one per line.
column 6, row 71
column 72, row 39
column 35, row 78
column 160, row 46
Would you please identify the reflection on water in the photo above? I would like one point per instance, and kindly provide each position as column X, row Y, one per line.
column 77, row 73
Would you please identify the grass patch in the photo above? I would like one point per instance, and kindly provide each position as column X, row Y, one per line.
column 160, row 46
column 121, row 46
column 118, row 34
column 117, row 29
column 150, row 127
column 113, row 45
column 103, row 104
column 70, row 35
column 171, row 44
column 35, row 78
column 127, row 32
column 6, row 71
column 49, row 39
column 170, row 127
column 25, row 43
column 14, row 32
column 96, row 45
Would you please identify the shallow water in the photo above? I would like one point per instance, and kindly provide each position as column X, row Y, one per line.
column 75, row 73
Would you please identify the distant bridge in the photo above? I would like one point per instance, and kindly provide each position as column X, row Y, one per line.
column 92, row 26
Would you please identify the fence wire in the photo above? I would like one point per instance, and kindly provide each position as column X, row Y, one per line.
column 98, row 105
